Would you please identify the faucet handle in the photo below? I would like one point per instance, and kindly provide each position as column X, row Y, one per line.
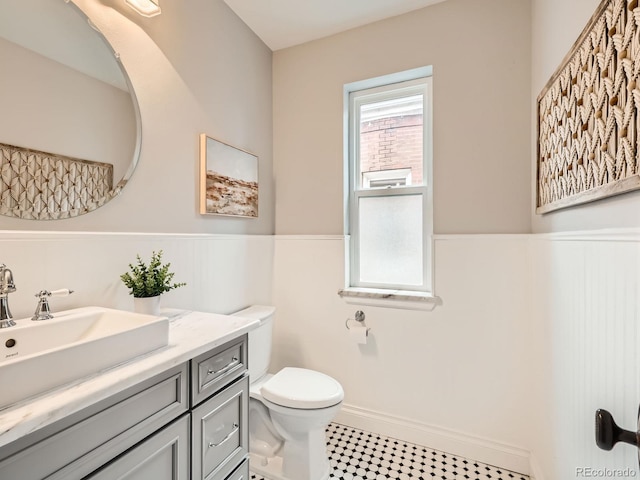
column 62, row 292
column 43, row 312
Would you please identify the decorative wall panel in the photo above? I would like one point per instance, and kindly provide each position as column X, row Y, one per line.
column 45, row 186
column 588, row 113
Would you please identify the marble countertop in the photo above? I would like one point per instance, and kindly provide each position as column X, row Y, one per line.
column 190, row 334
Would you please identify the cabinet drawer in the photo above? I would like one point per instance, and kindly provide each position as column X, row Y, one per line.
column 241, row 473
column 220, row 432
column 164, row 456
column 217, row 368
column 89, row 439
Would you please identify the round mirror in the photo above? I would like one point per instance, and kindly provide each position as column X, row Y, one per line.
column 69, row 122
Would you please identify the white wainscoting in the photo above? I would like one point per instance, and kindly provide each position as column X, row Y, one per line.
column 586, row 349
column 224, row 273
column 454, row 379
column 534, row 334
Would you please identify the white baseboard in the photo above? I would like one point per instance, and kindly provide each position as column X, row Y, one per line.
column 536, row 469
column 457, row 443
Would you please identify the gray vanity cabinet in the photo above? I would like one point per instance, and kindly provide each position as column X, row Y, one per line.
column 219, row 442
column 188, row 423
column 213, row 370
column 163, row 456
column 241, row 473
column 79, row 444
column 220, row 411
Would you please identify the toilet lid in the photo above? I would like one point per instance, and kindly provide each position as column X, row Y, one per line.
column 302, row 388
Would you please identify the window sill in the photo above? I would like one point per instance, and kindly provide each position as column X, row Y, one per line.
column 402, row 299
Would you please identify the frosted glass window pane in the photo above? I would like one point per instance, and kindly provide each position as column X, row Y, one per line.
column 391, row 240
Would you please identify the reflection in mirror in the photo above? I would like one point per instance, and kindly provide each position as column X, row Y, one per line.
column 68, row 111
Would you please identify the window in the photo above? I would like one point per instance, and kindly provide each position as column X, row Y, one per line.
column 386, row 178
column 389, row 218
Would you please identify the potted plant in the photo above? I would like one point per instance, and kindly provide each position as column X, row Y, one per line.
column 147, row 282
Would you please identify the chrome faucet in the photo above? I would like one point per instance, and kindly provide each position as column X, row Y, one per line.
column 6, row 287
column 43, row 311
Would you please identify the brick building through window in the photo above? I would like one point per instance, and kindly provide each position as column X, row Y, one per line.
column 391, row 143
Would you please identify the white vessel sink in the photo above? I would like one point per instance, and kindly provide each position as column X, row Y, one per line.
column 38, row 356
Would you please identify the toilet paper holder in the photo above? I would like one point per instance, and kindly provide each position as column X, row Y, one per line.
column 359, row 317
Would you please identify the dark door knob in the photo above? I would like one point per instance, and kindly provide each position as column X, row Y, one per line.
column 608, row 433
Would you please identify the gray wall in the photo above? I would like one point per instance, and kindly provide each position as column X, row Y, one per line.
column 197, row 68
column 480, row 53
column 556, row 25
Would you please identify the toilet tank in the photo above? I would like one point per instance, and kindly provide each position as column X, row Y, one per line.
column 259, row 339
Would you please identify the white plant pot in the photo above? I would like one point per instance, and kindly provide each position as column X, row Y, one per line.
column 147, row 305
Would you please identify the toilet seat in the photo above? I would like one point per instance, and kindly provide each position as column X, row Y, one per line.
column 302, row 389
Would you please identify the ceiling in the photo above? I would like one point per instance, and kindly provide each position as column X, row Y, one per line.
column 284, row 23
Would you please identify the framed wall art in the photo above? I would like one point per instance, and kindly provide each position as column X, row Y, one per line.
column 589, row 113
column 228, row 179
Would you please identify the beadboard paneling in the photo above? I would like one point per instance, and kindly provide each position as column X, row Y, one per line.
column 224, row 273
column 585, row 339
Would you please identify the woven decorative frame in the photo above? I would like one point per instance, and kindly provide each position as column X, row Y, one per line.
column 589, row 113
column 44, row 186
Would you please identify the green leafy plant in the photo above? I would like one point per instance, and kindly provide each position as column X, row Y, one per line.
column 151, row 280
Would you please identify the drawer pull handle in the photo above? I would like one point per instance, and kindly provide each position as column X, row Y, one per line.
column 234, row 360
column 235, row 429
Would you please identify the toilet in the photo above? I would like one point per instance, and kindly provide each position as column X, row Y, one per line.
column 288, row 411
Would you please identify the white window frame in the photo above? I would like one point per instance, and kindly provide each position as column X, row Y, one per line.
column 388, row 176
column 410, row 82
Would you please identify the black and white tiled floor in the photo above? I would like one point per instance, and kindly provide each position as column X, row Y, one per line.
column 359, row 455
